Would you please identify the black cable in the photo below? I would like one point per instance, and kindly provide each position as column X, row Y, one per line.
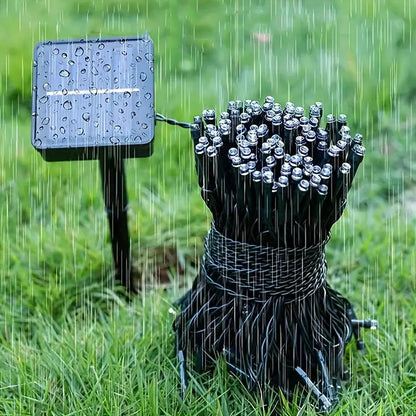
column 261, row 299
column 171, row 121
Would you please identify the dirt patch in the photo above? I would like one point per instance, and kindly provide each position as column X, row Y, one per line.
column 158, row 266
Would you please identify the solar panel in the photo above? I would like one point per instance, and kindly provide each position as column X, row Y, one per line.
column 92, row 98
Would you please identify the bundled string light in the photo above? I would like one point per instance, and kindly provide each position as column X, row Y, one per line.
column 275, row 182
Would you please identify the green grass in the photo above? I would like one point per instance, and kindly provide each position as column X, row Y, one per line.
column 69, row 342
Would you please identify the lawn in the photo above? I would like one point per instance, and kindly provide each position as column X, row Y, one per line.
column 70, row 342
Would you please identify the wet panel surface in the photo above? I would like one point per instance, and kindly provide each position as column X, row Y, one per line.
column 88, row 95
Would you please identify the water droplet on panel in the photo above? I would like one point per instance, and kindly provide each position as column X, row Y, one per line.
column 107, row 68
column 55, row 136
column 101, row 46
column 124, row 53
column 117, row 127
column 93, row 91
column 64, row 73
column 55, row 51
column 71, row 62
column 64, row 91
column 83, row 71
column 96, row 124
column 43, row 99
column 115, row 80
column 35, row 63
column 62, row 129
column 67, row 105
column 114, row 140
column 144, row 126
column 46, row 86
column 80, row 131
column 148, row 96
column 86, row 116
column 79, row 51
column 64, row 55
column 94, row 70
column 127, row 94
column 87, row 59
column 143, row 76
column 45, row 121
column 138, row 58
column 138, row 104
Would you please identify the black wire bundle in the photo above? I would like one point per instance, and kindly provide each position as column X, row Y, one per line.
column 275, row 182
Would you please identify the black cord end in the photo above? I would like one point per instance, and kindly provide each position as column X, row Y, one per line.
column 171, row 121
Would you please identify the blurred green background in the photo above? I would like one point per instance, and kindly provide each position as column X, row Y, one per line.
column 69, row 341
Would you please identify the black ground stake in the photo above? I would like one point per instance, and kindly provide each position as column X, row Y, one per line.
column 115, row 199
